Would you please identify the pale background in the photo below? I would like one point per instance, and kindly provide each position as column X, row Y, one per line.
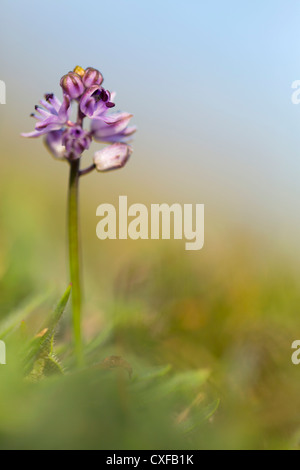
column 209, row 84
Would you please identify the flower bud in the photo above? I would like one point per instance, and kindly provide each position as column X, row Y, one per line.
column 112, row 157
column 76, row 140
column 72, row 85
column 92, row 77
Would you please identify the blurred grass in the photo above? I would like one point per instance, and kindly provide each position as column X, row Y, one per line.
column 207, row 335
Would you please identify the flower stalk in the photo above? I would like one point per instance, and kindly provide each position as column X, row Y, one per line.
column 74, row 255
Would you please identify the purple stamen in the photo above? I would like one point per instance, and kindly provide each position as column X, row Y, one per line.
column 49, row 97
column 104, row 95
column 97, row 95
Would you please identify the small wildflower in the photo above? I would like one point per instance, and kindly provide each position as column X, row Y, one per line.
column 95, row 102
column 51, row 116
column 67, row 140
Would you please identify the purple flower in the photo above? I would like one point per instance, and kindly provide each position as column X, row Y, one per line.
column 68, row 140
column 95, row 102
column 51, row 116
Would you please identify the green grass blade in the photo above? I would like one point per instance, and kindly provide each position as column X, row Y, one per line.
column 41, row 346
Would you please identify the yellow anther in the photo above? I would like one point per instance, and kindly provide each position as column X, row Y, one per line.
column 79, row 70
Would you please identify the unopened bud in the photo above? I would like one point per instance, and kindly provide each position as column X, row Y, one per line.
column 72, row 85
column 92, row 77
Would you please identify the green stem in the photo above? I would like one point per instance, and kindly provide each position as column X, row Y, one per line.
column 73, row 224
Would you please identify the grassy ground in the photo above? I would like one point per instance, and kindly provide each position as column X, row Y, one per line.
column 181, row 351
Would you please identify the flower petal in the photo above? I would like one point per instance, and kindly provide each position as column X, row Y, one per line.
column 54, row 102
column 113, row 157
column 115, row 131
column 88, row 102
column 48, row 106
column 100, row 110
column 65, row 110
column 120, row 137
column 44, row 114
column 43, row 127
column 33, row 134
column 109, row 125
column 54, row 144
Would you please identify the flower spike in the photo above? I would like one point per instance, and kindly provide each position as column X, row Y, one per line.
column 67, row 140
